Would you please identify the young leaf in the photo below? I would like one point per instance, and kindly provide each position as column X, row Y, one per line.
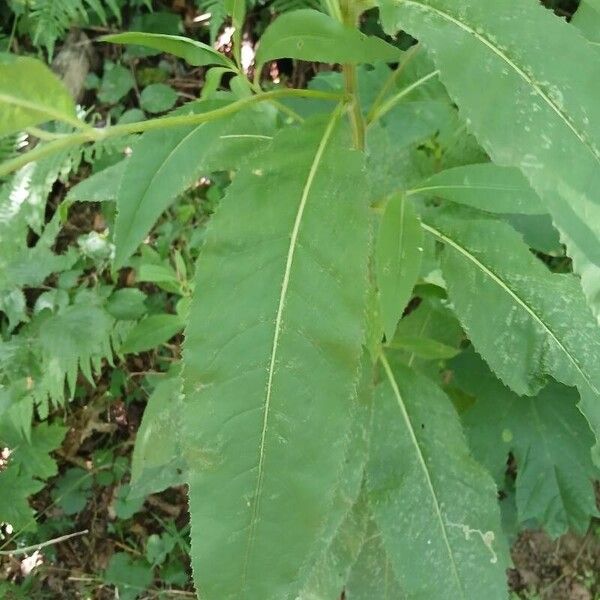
column 435, row 506
column 151, row 332
column 526, row 322
column 30, row 94
column 271, row 361
column 430, row 332
column 193, row 52
column 550, row 442
column 399, row 251
column 486, row 187
column 541, row 116
column 314, row 36
column 166, row 162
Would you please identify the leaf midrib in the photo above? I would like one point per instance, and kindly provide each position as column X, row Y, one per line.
column 277, row 334
column 42, row 109
column 151, row 181
column 496, row 50
column 520, row 301
column 423, row 464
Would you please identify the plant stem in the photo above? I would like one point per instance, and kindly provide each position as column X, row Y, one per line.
column 356, row 117
column 13, row 32
column 95, row 135
column 387, row 106
column 333, row 8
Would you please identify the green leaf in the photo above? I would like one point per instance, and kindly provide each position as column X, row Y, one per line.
column 423, row 347
column 32, row 455
column 431, row 332
column 539, row 115
column 15, row 489
column 435, row 506
column 116, row 83
column 314, row 36
column 237, row 10
column 279, row 312
column 347, row 520
column 166, row 162
column 158, row 461
column 548, row 438
column 157, row 98
column 127, row 504
column 30, row 94
column 73, row 490
column 193, row 52
column 526, row 322
column 127, row 304
column 538, row 232
column 398, row 253
column 151, row 332
column 158, row 548
column 331, row 572
column 130, row 576
column 587, row 20
column 372, row 576
column 99, row 187
column 486, row 187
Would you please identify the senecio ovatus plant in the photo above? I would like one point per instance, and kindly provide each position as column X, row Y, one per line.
column 376, row 323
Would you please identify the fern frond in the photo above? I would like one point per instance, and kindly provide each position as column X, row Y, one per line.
column 50, row 19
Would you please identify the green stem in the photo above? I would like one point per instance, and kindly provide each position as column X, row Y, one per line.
column 13, row 33
column 278, row 105
column 95, row 135
column 384, row 108
column 356, row 117
column 333, row 8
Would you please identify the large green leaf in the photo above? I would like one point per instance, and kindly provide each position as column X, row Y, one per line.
column 372, row 576
column 166, row 162
column 527, row 84
column 486, row 187
column 398, row 252
column 311, row 35
column 587, row 20
column 526, row 322
column 345, row 528
column 193, row 52
column 271, row 361
column 435, row 506
column 31, row 94
column 548, row 438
